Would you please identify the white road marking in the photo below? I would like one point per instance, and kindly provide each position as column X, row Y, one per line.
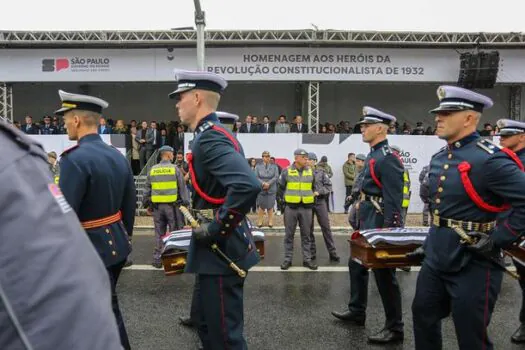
column 278, row 269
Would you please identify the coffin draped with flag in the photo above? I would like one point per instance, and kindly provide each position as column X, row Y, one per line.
column 176, row 244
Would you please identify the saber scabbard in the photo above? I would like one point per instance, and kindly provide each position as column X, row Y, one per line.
column 194, row 223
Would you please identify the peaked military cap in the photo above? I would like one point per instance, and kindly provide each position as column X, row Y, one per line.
column 508, row 127
column 227, row 118
column 189, row 80
column 360, row 156
column 454, row 98
column 72, row 101
column 300, row 152
column 374, row 116
column 312, row 156
column 166, row 148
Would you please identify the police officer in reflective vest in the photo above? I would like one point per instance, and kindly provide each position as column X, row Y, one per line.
column 98, row 183
column 406, row 185
column 512, row 136
column 471, row 181
column 323, row 186
column 380, row 206
column 296, row 187
column 165, row 188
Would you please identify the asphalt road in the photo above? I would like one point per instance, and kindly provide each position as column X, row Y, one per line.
column 283, row 310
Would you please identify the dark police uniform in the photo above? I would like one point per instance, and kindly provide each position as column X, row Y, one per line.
column 469, row 180
column 381, row 198
column 323, row 186
column 98, row 183
column 508, row 128
column 54, row 290
column 223, row 183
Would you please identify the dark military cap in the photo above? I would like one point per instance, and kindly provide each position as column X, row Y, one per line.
column 166, row 148
column 508, row 127
column 300, row 152
column 454, row 98
column 360, row 156
column 189, row 80
column 72, row 101
column 312, row 156
column 374, row 116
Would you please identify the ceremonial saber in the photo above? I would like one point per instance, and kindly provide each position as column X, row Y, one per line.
column 466, row 238
column 194, row 223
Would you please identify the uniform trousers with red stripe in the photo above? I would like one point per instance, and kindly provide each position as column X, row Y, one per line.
column 470, row 295
column 221, row 311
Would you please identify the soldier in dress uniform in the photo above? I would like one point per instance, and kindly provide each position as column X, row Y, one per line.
column 54, row 290
column 512, row 136
column 225, row 189
column 323, row 187
column 165, row 189
column 296, row 186
column 98, row 183
column 228, row 121
column 471, row 180
column 380, row 206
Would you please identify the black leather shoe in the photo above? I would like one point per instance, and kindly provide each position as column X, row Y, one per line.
column 157, row 264
column 519, row 335
column 186, row 321
column 286, row 265
column 309, row 264
column 386, row 336
column 335, row 257
column 350, row 317
column 314, row 257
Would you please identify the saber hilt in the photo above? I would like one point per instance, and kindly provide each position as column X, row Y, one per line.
column 194, row 223
column 468, row 239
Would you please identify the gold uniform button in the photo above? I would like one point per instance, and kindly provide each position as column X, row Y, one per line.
column 231, row 216
column 445, row 166
column 114, row 253
column 450, row 156
column 223, row 232
column 110, row 242
column 440, row 189
column 436, row 212
column 227, row 225
column 438, row 201
column 107, row 230
column 443, row 178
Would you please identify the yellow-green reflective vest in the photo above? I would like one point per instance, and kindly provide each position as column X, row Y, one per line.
column 299, row 187
column 406, row 190
column 163, row 179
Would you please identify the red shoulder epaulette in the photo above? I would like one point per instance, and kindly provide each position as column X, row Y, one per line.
column 68, row 150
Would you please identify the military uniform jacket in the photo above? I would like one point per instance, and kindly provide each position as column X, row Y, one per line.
column 97, row 181
column 382, row 177
column 51, row 278
column 495, row 177
column 221, row 171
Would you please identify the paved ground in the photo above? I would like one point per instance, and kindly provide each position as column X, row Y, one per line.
column 283, row 310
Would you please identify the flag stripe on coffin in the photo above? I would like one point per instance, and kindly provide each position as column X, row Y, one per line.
column 396, row 236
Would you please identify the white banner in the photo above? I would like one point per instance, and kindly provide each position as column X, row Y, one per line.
column 246, row 64
column 58, row 143
column 416, row 153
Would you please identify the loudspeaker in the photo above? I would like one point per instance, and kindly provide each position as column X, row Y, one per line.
column 478, row 70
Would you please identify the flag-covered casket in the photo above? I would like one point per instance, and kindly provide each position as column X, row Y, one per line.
column 386, row 247
column 176, row 246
